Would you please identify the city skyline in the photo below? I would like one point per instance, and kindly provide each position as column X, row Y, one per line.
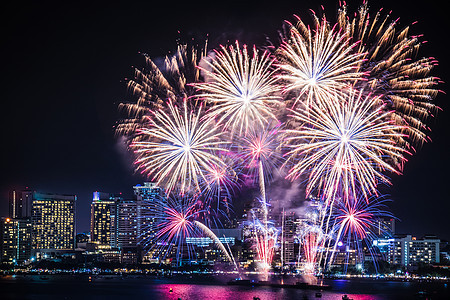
column 68, row 146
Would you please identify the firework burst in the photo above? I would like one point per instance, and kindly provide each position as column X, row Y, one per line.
column 261, row 149
column 317, row 65
column 344, row 146
column 178, row 147
column 242, row 89
column 153, row 85
column 356, row 221
column 176, row 220
column 173, row 220
column 392, row 70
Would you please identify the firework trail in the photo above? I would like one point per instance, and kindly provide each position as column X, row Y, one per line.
column 177, row 147
column 392, row 70
column 265, row 238
column 317, row 65
column 344, row 146
column 242, row 89
column 312, row 238
column 215, row 239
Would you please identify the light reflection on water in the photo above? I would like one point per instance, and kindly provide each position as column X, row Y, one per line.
column 58, row 287
column 202, row 292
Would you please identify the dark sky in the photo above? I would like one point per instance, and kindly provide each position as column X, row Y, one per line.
column 63, row 70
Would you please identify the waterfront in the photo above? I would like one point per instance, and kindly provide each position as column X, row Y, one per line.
column 202, row 288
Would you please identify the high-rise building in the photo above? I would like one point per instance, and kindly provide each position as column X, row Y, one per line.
column 104, row 221
column 287, row 238
column 407, row 250
column 53, row 221
column 127, row 224
column 149, row 210
column 15, row 240
column 20, row 203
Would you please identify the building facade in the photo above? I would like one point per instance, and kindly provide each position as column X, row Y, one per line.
column 20, row 202
column 53, row 221
column 104, row 221
column 150, row 207
column 408, row 251
column 15, row 240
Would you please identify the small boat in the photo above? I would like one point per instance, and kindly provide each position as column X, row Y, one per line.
column 318, row 295
column 422, row 294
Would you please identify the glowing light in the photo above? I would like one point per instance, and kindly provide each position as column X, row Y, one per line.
column 316, row 64
column 392, row 70
column 177, row 149
column 344, row 146
column 241, row 88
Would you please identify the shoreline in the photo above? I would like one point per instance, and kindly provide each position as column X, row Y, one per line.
column 210, row 278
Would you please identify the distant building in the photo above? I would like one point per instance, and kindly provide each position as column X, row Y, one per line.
column 104, row 221
column 345, row 257
column 53, row 221
column 149, row 210
column 287, row 238
column 407, row 250
column 83, row 237
column 15, row 240
column 20, row 203
column 384, row 227
column 127, row 224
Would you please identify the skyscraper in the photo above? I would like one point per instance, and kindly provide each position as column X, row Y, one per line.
column 15, row 240
column 149, row 197
column 53, row 221
column 127, row 224
column 136, row 220
column 15, row 236
column 104, row 221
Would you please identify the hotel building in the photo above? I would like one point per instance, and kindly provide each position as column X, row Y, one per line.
column 53, row 222
column 407, row 250
column 104, row 221
column 15, row 240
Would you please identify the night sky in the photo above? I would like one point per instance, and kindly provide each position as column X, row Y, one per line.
column 64, row 70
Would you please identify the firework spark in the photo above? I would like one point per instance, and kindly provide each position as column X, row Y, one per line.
column 265, row 237
column 178, row 147
column 317, row 66
column 358, row 220
column 242, row 89
column 174, row 219
column 344, row 145
column 153, row 85
column 392, row 70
